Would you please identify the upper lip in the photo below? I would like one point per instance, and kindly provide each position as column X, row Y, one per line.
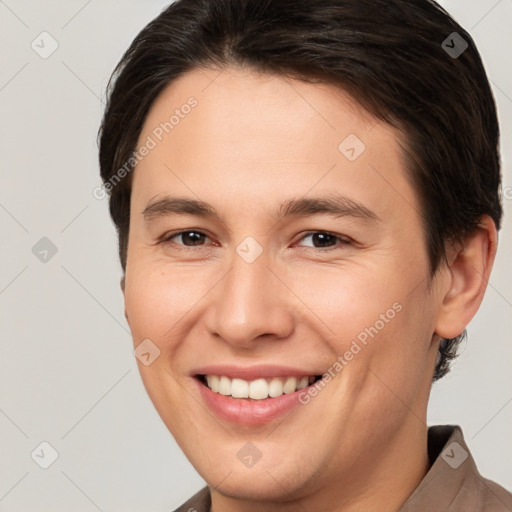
column 253, row 372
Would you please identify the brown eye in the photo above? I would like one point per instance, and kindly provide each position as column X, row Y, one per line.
column 322, row 239
column 188, row 238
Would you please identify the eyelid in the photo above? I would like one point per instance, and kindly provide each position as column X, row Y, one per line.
column 165, row 238
column 343, row 239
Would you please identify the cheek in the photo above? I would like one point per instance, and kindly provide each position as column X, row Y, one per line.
column 156, row 300
column 352, row 304
column 374, row 322
column 394, row 361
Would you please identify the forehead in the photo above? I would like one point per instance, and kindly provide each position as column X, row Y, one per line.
column 248, row 107
column 264, row 135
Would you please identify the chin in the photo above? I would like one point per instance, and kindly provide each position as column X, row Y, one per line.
column 265, row 481
column 255, row 487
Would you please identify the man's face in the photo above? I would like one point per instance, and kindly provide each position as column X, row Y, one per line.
column 251, row 293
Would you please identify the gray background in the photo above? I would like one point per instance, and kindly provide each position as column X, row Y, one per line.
column 67, row 371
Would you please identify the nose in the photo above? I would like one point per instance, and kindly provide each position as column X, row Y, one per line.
column 250, row 302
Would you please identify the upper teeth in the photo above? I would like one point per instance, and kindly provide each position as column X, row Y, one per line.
column 258, row 389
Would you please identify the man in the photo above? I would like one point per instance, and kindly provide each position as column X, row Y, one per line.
column 344, row 228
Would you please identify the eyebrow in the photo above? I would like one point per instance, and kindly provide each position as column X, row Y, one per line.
column 335, row 205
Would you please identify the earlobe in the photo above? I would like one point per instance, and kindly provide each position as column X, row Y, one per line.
column 467, row 278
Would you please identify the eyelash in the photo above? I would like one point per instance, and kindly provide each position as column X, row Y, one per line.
column 344, row 240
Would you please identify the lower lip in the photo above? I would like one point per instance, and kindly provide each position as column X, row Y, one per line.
column 246, row 411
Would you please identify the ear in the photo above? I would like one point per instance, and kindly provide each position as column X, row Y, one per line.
column 469, row 268
column 122, row 283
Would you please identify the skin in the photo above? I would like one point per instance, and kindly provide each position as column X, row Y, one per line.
column 252, row 142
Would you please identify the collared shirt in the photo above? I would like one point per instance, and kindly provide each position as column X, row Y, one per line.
column 452, row 483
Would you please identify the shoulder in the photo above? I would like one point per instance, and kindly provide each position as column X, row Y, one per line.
column 495, row 497
column 453, row 481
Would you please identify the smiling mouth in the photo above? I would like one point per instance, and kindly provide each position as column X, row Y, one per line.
column 258, row 389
